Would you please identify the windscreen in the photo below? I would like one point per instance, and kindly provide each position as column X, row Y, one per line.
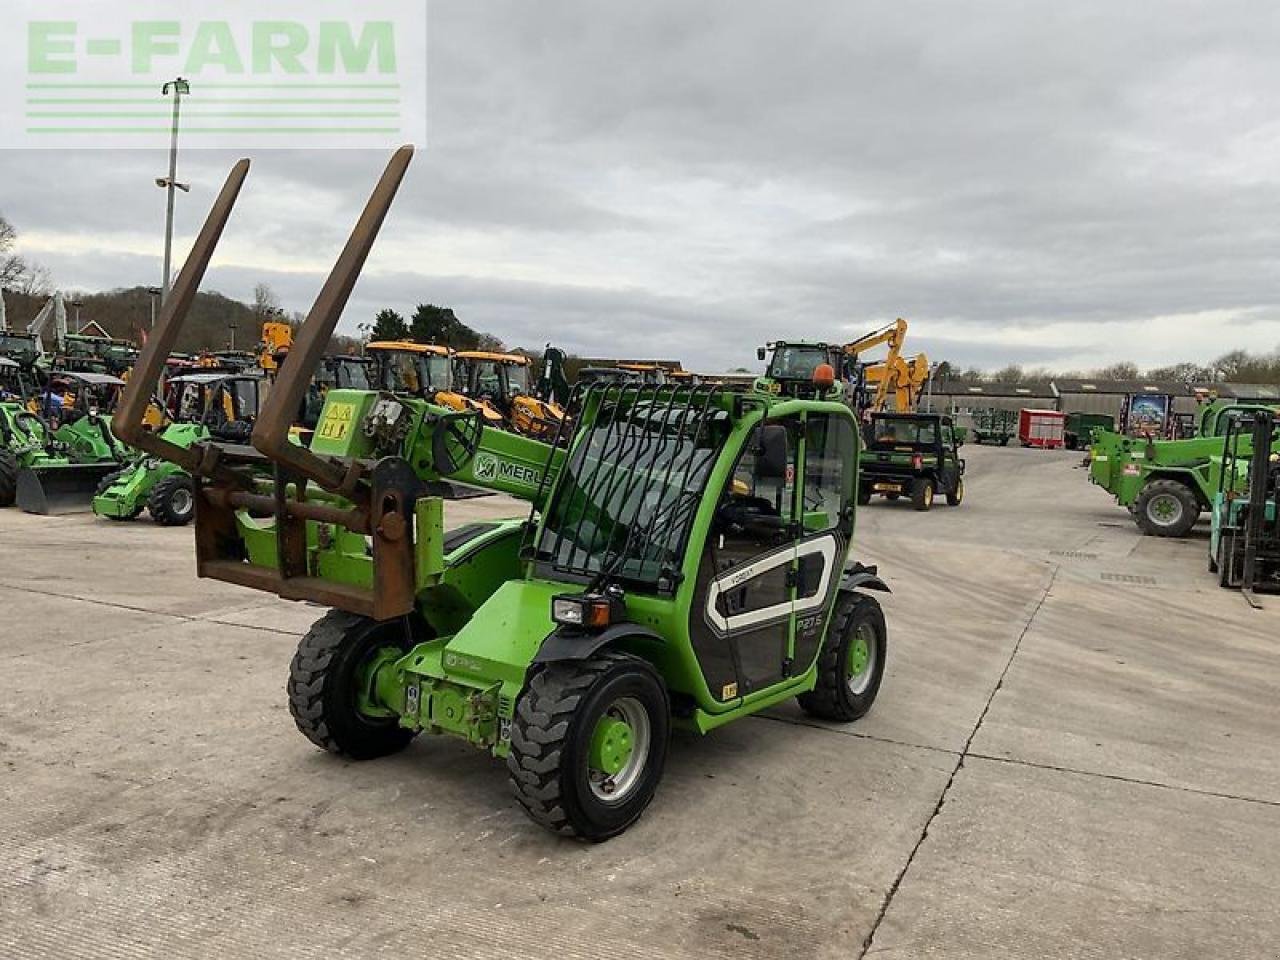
column 439, row 371
column 628, row 494
column 796, row 361
column 518, row 377
column 890, row 431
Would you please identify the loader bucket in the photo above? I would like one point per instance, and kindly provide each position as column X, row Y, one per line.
column 57, row 489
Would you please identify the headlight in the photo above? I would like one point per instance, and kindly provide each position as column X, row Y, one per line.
column 589, row 611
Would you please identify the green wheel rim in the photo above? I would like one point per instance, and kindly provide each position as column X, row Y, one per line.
column 862, row 658
column 1165, row 509
column 366, row 677
column 619, row 750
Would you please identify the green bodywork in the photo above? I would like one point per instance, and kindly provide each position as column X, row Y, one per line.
column 995, row 426
column 128, row 493
column 1123, row 465
column 1081, row 428
column 483, row 600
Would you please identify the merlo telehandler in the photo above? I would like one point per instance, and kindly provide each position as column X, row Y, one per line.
column 684, row 561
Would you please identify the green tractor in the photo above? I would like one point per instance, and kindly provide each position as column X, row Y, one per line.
column 1166, row 484
column 1244, row 544
column 57, row 443
column 1081, row 427
column 683, row 564
column 915, row 455
column 203, row 406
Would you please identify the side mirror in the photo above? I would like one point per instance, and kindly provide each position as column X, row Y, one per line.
column 760, row 353
column 773, row 452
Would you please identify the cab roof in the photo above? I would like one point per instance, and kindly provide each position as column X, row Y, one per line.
column 410, row 346
column 93, row 379
column 495, row 357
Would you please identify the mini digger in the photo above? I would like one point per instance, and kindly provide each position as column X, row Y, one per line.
column 684, row 561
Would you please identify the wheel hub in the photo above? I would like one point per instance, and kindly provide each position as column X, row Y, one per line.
column 612, row 744
column 862, row 656
column 619, row 750
column 1165, row 509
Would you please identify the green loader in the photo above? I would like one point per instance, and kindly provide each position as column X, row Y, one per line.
column 1166, row 484
column 684, row 562
column 204, row 406
column 54, row 457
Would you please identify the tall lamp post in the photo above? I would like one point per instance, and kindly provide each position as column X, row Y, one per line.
column 154, row 292
column 179, row 88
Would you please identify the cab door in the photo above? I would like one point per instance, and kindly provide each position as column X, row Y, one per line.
column 742, row 614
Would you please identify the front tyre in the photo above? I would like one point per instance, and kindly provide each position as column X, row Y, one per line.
column 589, row 743
column 8, row 478
column 1166, row 508
column 172, row 501
column 851, row 664
column 329, row 680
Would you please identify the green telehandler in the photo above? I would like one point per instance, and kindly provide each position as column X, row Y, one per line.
column 1166, row 484
column 684, row 561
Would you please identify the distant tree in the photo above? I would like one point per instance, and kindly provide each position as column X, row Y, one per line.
column 1010, row 374
column 487, row 341
column 973, row 374
column 1118, row 371
column 265, row 302
column 433, row 324
column 16, row 273
column 1182, row 373
column 387, row 325
column 945, row 370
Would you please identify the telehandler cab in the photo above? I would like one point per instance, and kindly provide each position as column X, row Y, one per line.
column 683, row 562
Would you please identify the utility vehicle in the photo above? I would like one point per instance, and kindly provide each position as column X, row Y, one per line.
column 913, row 455
column 683, row 562
column 995, row 426
column 1244, row 543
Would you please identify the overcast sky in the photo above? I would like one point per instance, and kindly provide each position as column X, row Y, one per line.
column 1063, row 184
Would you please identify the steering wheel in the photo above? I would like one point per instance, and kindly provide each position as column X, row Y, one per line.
column 749, row 515
column 455, row 438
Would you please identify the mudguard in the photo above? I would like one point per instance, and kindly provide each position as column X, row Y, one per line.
column 570, row 643
column 859, row 577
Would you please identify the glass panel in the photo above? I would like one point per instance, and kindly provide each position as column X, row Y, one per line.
column 828, row 476
column 889, row 431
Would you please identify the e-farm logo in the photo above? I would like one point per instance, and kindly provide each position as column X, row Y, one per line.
column 277, row 73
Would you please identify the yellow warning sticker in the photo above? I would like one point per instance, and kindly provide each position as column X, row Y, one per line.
column 337, row 421
column 729, row 692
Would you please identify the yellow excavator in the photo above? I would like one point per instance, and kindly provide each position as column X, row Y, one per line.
column 899, row 377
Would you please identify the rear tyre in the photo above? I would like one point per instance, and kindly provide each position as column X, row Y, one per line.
column 588, row 744
column 172, row 501
column 8, row 478
column 325, row 681
column 851, row 664
column 105, row 484
column 1166, row 508
column 956, row 497
column 922, row 494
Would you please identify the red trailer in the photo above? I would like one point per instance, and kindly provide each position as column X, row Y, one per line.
column 1044, row 429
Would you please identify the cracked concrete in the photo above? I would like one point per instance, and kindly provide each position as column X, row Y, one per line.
column 1059, row 765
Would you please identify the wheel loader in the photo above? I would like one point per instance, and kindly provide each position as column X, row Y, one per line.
column 201, row 406
column 59, row 445
column 684, row 562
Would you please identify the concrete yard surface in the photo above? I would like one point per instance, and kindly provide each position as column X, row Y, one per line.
column 1074, row 754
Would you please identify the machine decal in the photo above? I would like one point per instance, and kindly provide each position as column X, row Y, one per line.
column 825, row 546
column 337, row 421
column 489, row 467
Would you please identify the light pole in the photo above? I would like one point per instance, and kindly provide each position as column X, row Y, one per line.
column 179, row 88
column 154, row 292
column 232, row 325
column 77, row 304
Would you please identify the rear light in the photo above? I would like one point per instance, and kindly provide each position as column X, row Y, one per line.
column 917, row 462
column 589, row 611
